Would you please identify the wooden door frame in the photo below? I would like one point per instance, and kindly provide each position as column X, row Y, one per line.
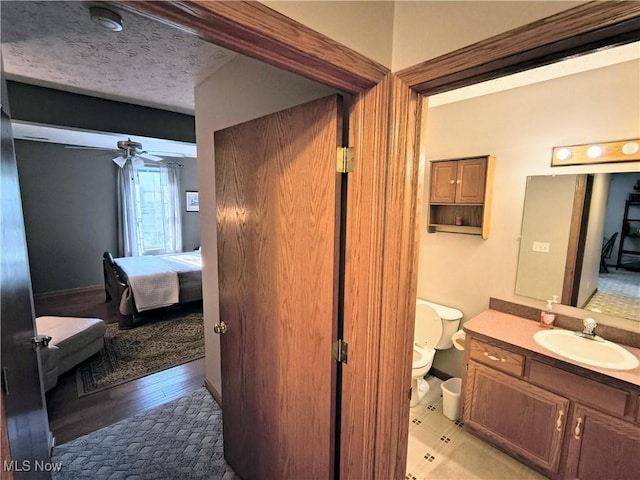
column 577, row 239
column 386, row 187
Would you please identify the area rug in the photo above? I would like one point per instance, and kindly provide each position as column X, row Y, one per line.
column 179, row 440
column 157, row 345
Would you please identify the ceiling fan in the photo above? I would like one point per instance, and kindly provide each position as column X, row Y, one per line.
column 132, row 151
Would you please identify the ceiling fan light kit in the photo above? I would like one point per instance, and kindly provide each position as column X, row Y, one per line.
column 133, row 151
column 106, row 19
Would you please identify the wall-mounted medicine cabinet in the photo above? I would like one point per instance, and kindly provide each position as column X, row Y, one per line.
column 460, row 195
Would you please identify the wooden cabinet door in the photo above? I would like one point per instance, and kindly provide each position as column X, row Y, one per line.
column 601, row 446
column 470, row 180
column 524, row 419
column 443, row 182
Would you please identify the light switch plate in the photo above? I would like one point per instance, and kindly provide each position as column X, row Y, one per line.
column 542, row 247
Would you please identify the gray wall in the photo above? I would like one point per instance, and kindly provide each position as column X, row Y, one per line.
column 69, row 198
column 190, row 220
column 56, row 107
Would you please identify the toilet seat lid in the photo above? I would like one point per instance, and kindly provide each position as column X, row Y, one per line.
column 422, row 356
column 428, row 328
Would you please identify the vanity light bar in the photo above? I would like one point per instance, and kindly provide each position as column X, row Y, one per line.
column 605, row 152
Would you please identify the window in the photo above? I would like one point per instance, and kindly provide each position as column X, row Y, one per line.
column 150, row 209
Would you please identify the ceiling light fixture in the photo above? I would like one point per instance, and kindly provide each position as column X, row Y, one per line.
column 621, row 151
column 107, row 19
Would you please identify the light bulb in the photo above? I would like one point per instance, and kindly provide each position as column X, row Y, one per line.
column 594, row 151
column 630, row 148
column 563, row 154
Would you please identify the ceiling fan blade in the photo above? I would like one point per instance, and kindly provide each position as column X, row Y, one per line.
column 170, row 154
column 148, row 156
column 120, row 161
column 79, row 147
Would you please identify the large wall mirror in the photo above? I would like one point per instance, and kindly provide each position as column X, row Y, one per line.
column 580, row 240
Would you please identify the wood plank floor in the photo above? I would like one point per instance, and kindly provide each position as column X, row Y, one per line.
column 71, row 417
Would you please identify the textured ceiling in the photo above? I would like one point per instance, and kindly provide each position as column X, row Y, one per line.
column 57, row 45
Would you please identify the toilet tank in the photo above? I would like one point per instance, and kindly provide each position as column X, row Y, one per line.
column 450, row 322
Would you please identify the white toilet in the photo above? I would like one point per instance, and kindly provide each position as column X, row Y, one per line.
column 435, row 325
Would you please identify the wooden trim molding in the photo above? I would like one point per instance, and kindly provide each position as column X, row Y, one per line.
column 255, row 30
column 5, row 452
column 572, row 32
column 577, row 239
column 399, row 286
column 364, row 276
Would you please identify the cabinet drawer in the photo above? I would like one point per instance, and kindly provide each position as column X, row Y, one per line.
column 589, row 392
column 496, row 357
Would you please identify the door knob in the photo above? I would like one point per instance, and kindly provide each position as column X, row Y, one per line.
column 220, row 328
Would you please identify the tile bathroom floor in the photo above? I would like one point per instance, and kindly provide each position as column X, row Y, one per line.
column 441, row 449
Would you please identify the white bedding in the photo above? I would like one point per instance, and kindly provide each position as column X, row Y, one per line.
column 154, row 278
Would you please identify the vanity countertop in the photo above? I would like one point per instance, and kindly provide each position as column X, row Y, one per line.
column 519, row 332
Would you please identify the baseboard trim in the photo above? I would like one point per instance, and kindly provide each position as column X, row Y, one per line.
column 70, row 291
column 214, row 393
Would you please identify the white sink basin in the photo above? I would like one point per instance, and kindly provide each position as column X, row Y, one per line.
column 602, row 354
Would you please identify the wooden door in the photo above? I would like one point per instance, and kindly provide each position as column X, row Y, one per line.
column 278, row 211
column 443, row 182
column 601, row 446
column 27, row 426
column 470, row 181
column 516, row 415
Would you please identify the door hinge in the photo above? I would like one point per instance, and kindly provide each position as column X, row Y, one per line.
column 40, row 341
column 345, row 162
column 340, row 351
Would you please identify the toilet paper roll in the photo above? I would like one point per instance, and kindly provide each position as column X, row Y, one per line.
column 458, row 339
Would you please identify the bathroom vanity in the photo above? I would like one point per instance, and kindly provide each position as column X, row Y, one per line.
column 565, row 420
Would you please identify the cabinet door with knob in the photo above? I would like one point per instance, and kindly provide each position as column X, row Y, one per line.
column 443, row 182
column 521, row 418
column 601, row 446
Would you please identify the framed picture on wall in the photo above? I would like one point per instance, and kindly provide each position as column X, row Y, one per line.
column 193, row 202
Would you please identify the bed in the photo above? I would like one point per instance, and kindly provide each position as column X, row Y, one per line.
column 151, row 282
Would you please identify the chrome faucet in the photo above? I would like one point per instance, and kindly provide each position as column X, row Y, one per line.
column 588, row 332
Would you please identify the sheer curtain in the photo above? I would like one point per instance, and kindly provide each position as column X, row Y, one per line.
column 149, row 210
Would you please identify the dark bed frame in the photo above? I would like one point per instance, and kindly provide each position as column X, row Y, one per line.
column 116, row 283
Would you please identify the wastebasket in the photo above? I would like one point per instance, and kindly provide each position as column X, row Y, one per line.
column 451, row 398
